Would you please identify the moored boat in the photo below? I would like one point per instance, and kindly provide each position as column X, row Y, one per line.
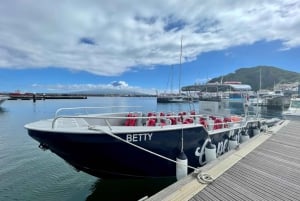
column 293, row 112
column 138, row 144
column 176, row 98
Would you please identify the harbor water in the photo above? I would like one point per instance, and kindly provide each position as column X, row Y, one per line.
column 28, row 173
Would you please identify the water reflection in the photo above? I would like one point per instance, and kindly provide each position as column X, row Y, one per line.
column 177, row 107
column 127, row 189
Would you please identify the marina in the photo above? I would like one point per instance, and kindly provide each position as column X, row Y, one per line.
column 265, row 168
column 47, row 176
column 236, row 92
column 153, row 100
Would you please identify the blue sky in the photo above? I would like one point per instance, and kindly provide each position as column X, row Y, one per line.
column 55, row 46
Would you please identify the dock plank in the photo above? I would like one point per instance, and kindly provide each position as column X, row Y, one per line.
column 269, row 171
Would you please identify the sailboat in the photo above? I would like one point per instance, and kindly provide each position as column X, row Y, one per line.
column 176, row 97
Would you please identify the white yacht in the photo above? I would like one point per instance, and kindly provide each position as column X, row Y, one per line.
column 293, row 112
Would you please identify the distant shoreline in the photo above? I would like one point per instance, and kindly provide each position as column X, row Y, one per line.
column 44, row 96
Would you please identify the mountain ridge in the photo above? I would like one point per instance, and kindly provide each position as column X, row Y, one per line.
column 251, row 75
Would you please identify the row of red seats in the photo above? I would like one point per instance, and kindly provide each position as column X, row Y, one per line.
column 218, row 123
column 152, row 121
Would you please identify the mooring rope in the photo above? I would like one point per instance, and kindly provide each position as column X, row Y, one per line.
column 137, row 146
column 201, row 177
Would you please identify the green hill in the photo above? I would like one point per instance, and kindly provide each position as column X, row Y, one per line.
column 269, row 77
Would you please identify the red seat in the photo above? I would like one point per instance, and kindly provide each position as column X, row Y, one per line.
column 130, row 121
column 213, row 117
column 188, row 121
column 203, row 122
column 226, row 120
column 218, row 123
column 151, row 122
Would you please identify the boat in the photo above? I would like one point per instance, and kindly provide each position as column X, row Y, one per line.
column 293, row 112
column 276, row 99
column 3, row 98
column 255, row 100
column 122, row 143
column 234, row 93
column 170, row 98
column 176, row 97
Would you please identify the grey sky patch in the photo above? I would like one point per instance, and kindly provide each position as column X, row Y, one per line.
column 146, row 20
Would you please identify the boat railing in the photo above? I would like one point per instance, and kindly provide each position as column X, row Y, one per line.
column 104, row 118
column 85, row 110
column 110, row 120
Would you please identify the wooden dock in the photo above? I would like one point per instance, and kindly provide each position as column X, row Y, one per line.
column 266, row 167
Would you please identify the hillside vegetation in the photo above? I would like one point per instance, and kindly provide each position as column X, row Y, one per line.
column 269, row 77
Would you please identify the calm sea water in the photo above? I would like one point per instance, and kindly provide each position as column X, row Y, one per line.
column 28, row 173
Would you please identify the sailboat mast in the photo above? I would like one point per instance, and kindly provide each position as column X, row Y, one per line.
column 180, row 67
column 172, row 74
column 260, row 79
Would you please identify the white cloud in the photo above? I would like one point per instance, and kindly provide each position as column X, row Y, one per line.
column 112, row 37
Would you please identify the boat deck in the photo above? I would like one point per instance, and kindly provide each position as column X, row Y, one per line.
column 264, row 168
